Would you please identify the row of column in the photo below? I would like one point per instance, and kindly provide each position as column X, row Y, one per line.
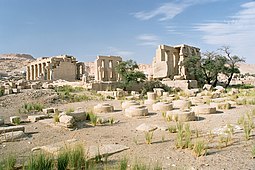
column 39, row 71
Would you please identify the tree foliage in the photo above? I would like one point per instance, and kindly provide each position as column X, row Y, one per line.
column 208, row 68
column 129, row 73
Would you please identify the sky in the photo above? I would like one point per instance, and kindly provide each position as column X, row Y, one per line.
column 130, row 28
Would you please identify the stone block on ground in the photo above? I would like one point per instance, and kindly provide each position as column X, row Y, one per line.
column 12, row 136
column 204, row 109
column 146, row 128
column 91, row 151
column 134, row 111
column 103, row 108
column 183, row 116
column 162, row 106
column 50, row 111
column 16, row 90
column 158, row 91
column 78, row 115
column 7, row 91
column 67, row 120
column 35, row 118
column 11, row 129
column 181, row 104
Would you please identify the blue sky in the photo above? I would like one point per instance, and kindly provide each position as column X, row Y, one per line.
column 130, row 28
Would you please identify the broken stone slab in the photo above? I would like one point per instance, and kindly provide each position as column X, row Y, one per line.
column 67, row 120
column 15, row 119
column 183, row 116
column 78, row 115
column 204, row 109
column 11, row 129
column 162, row 106
column 103, row 108
column 50, row 110
column 196, row 100
column 91, row 151
column 127, row 104
column 181, row 104
column 134, row 111
column 146, row 128
column 35, row 118
column 12, row 136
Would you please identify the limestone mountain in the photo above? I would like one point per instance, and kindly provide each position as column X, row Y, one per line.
column 14, row 64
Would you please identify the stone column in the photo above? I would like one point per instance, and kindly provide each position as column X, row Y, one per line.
column 33, row 72
column 28, row 73
column 36, row 71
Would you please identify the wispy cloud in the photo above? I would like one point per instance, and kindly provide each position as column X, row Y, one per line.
column 118, row 52
column 169, row 10
column 238, row 31
column 148, row 40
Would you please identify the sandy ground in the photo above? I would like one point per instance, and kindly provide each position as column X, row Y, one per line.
column 235, row 156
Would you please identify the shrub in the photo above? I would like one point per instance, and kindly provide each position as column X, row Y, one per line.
column 8, row 163
column 31, row 107
column 172, row 129
column 150, row 85
column 76, row 158
column 200, row 148
column 148, row 137
column 253, row 151
column 16, row 120
column 40, row 162
column 62, row 160
column 56, row 117
column 93, row 118
column 123, row 164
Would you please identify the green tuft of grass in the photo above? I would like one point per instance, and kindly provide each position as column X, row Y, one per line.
column 31, row 107
column 200, row 148
column 148, row 137
column 40, row 162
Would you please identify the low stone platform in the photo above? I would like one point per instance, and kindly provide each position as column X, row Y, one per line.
column 134, row 111
column 35, row 118
column 12, row 136
column 103, row 108
column 91, row 151
column 183, row 116
column 204, row 109
column 11, row 129
column 181, row 104
column 162, row 106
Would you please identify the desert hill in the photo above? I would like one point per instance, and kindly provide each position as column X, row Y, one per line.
column 14, row 64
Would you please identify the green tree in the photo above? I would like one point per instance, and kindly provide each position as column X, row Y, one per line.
column 129, row 73
column 212, row 64
column 231, row 66
column 193, row 65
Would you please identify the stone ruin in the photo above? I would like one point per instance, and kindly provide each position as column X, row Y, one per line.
column 53, row 68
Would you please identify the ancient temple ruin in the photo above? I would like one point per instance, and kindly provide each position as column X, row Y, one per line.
column 168, row 62
column 53, row 68
column 105, row 68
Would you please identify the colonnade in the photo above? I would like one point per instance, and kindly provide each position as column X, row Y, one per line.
column 39, row 71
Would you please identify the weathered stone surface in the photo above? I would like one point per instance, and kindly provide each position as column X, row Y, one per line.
column 134, row 111
column 91, row 151
column 35, row 118
column 11, row 129
column 7, row 91
column 207, row 87
column 16, row 90
column 11, row 136
column 151, row 95
column 221, row 106
column 165, row 94
column 162, row 106
column 1, row 121
column 50, row 110
column 184, row 116
column 204, row 109
column 14, row 119
column 68, row 121
column 78, row 115
column 181, row 104
column 127, row 104
column 103, row 108
column 146, row 128
column 215, row 95
column 196, row 100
